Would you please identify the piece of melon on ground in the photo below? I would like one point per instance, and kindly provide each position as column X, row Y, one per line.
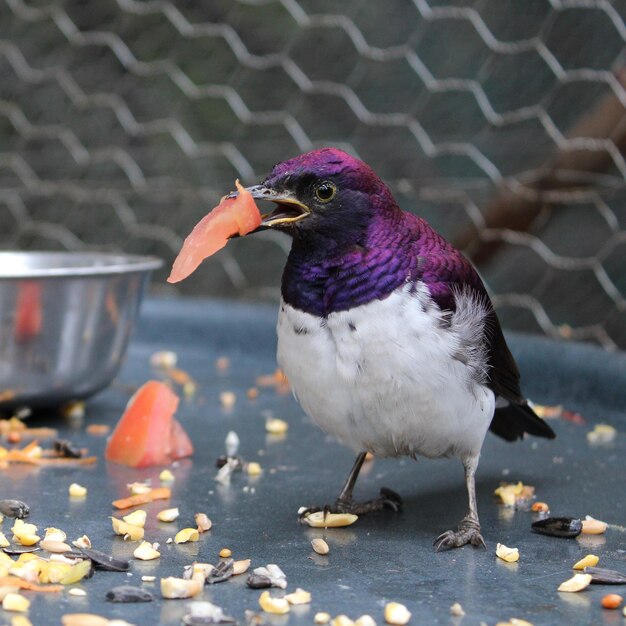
column 147, row 433
column 232, row 216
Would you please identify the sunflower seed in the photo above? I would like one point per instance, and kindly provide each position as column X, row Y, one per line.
column 128, row 593
column 567, row 527
column 602, row 576
column 104, row 561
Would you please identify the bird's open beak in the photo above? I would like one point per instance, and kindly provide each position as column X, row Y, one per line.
column 288, row 210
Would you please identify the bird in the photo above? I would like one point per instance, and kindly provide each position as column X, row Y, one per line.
column 386, row 331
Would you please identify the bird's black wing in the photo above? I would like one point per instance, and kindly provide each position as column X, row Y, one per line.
column 447, row 273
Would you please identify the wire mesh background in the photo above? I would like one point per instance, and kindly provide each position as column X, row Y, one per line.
column 502, row 122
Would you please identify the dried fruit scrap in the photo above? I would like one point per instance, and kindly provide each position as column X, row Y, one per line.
column 232, row 216
column 148, row 433
column 160, row 493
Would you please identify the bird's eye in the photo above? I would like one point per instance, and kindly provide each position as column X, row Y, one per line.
column 325, row 192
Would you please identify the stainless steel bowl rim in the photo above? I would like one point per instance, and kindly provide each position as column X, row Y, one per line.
column 73, row 264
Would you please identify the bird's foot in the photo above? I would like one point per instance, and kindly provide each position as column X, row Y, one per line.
column 388, row 499
column 14, row 508
column 468, row 532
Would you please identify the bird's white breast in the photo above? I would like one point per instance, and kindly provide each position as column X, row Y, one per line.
column 393, row 376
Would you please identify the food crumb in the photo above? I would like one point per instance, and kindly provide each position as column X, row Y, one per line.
column 77, row 491
column 228, row 399
column 601, row 434
column 457, row 610
column 225, row 553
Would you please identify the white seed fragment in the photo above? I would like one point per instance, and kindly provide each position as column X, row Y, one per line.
column 231, row 443
column 321, row 618
column 136, row 518
column 277, row 606
column 79, row 593
column 4, row 542
column 601, row 433
column 172, row 587
column 15, row 602
column 137, row 489
column 577, row 582
column 593, row 526
column 126, row 530
column 166, row 476
column 365, row 620
column 168, row 515
column 330, row 520
column 148, row 579
column 457, row 610
column 56, row 547
column 299, row 596
column 203, row 522
column 54, row 534
column 241, row 567
column 397, row 614
column 510, row 555
column 591, row 560
column 253, row 468
column 146, row 551
column 276, row 426
column 77, row 491
column 320, row 546
column 82, row 542
column 163, row 359
column 187, row 534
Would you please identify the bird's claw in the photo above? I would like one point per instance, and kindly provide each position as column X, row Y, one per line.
column 14, row 508
column 388, row 499
column 468, row 532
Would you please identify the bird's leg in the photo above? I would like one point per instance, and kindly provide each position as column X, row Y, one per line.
column 345, row 503
column 469, row 528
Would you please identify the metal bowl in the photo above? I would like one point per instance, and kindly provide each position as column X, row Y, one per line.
column 65, row 322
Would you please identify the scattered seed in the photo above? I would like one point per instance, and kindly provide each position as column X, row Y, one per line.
column 138, row 489
column 320, row 546
column 226, row 553
column 126, row 530
column 577, row 582
column 129, row 593
column 104, row 561
column 163, row 359
column 277, row 606
column 172, row 587
column 166, row 476
column 4, row 542
column 84, row 619
column 299, row 596
column 567, row 527
column 98, row 430
column 203, row 522
column 602, row 576
column 221, row 572
column 253, row 468
column 146, row 551
column 15, row 602
column 276, row 426
column 74, row 409
column 241, row 567
column 231, row 444
column 168, row 515
column 252, row 393
column 611, row 601
column 186, row 534
column 67, row 449
column 341, row 620
column 14, row 508
column 320, row 519
column 136, row 518
column 539, row 507
column 321, row 618
column 365, row 620
column 204, row 613
column 510, row 555
column 593, row 526
column 397, row 614
column 54, row 534
column 78, row 592
column 457, row 610
column 601, row 433
column 77, row 491
column 228, row 399
column 591, row 560
column 57, row 547
column 82, row 542
column 148, row 579
column 511, row 494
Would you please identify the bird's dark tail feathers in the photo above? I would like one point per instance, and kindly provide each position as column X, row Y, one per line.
column 511, row 422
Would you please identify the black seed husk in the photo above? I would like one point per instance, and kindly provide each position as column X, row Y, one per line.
column 20, row 549
column 601, row 576
column 105, row 561
column 194, row 620
column 128, row 593
column 566, row 527
column 259, row 582
column 221, row 572
column 14, row 508
column 67, row 449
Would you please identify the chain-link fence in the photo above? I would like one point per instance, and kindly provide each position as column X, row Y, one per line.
column 502, row 122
